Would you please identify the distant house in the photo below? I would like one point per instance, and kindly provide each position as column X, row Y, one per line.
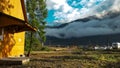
column 103, row 47
column 13, row 24
column 116, row 45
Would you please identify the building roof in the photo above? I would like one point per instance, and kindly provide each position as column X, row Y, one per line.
column 11, row 21
column 8, row 21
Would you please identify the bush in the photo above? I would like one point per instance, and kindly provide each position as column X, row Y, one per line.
column 44, row 48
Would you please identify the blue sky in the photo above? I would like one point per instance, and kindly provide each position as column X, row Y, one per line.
column 63, row 11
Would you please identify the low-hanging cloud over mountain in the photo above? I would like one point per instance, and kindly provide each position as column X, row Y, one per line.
column 102, row 19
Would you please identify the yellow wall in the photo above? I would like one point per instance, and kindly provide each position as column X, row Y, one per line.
column 13, row 43
column 15, row 10
column 18, row 48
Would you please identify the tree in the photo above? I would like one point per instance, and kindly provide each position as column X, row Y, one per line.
column 37, row 12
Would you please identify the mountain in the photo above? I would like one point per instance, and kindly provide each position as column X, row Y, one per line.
column 109, row 15
column 95, row 30
column 58, row 26
column 90, row 40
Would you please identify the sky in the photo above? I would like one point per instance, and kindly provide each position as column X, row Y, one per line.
column 104, row 17
column 63, row 11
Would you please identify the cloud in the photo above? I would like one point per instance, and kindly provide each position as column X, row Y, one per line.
column 107, row 11
column 110, row 24
column 64, row 12
column 68, row 12
column 58, row 5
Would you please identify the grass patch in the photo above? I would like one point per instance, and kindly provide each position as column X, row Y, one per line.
column 68, row 58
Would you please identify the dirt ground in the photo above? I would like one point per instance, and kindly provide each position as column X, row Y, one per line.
column 71, row 59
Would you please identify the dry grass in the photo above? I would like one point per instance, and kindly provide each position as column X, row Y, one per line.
column 72, row 58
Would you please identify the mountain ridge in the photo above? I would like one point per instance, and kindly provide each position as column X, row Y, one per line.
column 89, row 40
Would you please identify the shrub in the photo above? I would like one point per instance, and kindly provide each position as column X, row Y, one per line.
column 44, row 48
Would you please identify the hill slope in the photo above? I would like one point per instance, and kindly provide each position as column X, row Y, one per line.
column 90, row 40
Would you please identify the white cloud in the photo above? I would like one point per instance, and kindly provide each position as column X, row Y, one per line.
column 92, row 27
column 56, row 5
column 66, row 13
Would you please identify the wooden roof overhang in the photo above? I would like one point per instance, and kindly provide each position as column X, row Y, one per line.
column 10, row 21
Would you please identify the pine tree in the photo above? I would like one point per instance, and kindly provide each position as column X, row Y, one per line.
column 37, row 12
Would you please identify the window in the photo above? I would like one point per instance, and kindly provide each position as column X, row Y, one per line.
column 1, row 33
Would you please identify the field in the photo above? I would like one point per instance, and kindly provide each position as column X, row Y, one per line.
column 72, row 58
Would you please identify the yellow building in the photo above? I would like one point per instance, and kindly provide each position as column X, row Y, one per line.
column 13, row 24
